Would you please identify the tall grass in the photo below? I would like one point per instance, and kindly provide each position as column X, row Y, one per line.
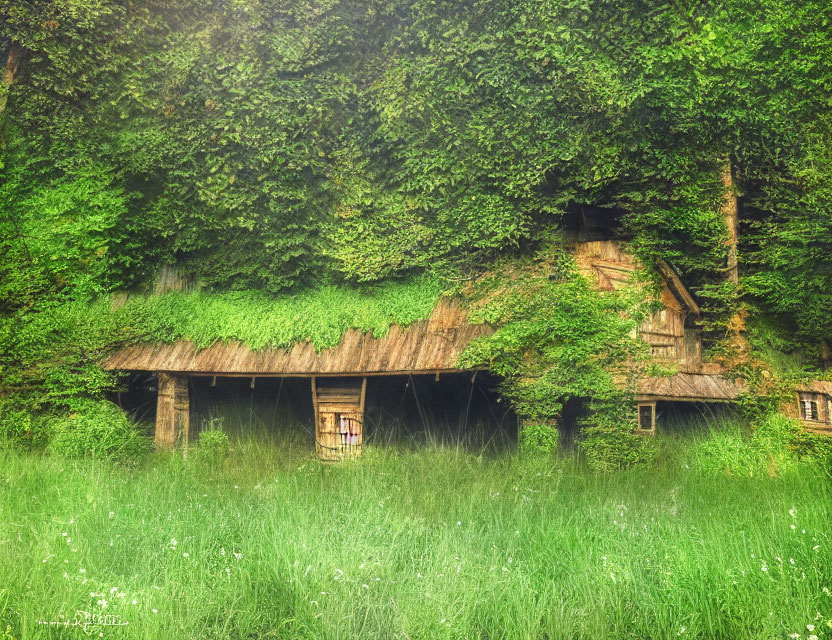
column 429, row 543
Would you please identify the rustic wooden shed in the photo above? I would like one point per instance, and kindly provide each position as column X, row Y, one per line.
column 672, row 333
column 338, row 375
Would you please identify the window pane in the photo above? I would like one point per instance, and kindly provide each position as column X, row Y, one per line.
column 645, row 417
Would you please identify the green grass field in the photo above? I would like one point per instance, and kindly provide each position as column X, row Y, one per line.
column 409, row 543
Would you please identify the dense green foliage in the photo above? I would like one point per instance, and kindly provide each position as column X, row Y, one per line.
column 560, row 340
column 97, row 430
column 266, row 144
column 426, row 543
column 292, row 146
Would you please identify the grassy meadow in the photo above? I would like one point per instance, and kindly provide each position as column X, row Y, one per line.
column 410, row 542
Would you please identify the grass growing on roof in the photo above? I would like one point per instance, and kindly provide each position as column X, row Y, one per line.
column 320, row 315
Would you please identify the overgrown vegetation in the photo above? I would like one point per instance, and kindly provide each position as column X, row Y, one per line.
column 559, row 340
column 298, row 148
column 263, row 145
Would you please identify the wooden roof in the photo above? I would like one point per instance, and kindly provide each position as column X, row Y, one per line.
column 614, row 266
column 432, row 345
column 816, row 386
column 688, row 387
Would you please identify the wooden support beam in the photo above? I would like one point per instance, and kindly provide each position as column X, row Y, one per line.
column 172, row 411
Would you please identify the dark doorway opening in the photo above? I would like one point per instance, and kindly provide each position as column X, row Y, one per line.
column 459, row 409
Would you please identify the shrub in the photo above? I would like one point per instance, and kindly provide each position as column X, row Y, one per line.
column 99, row 429
column 608, row 442
column 19, row 427
column 213, row 442
column 771, row 448
column 539, row 437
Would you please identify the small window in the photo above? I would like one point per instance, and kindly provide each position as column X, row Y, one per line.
column 647, row 417
column 810, row 410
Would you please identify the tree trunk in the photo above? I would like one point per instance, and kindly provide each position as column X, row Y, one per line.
column 12, row 64
column 730, row 210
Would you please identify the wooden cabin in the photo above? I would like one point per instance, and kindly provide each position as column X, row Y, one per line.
column 672, row 333
column 338, row 375
column 812, row 405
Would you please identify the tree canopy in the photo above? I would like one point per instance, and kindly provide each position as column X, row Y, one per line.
column 273, row 145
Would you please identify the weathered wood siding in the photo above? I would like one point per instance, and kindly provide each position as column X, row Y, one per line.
column 667, row 331
column 173, row 278
column 688, row 387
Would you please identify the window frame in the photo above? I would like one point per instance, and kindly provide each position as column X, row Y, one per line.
column 645, row 405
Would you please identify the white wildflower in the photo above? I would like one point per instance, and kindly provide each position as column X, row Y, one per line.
column 793, row 526
column 186, row 555
column 64, row 534
column 155, row 610
column 459, row 523
column 238, row 556
column 82, row 570
column 102, row 603
column 793, row 512
column 810, row 628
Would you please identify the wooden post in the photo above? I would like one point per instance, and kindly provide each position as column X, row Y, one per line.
column 339, row 417
column 172, row 411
